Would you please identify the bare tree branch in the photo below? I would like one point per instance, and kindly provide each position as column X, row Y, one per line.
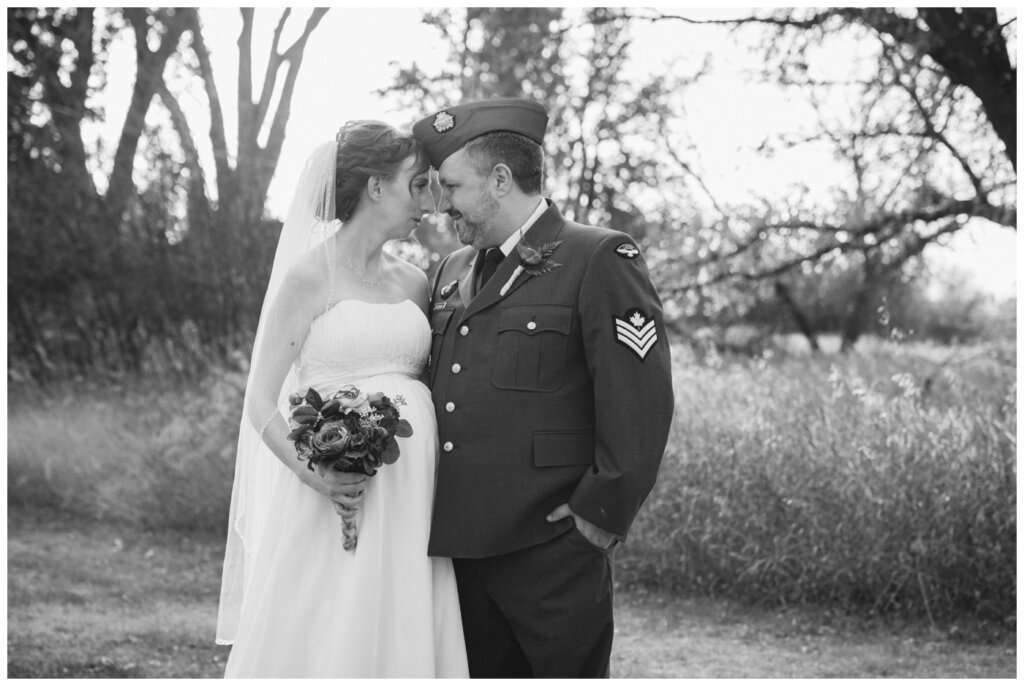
column 180, row 123
column 293, row 56
column 270, row 74
column 906, row 83
column 246, row 109
column 218, row 138
column 881, row 228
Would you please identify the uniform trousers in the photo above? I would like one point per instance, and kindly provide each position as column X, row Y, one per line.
column 544, row 611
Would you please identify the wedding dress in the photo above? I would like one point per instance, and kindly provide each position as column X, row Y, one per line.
column 385, row 609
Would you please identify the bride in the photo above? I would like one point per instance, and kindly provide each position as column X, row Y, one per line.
column 340, row 311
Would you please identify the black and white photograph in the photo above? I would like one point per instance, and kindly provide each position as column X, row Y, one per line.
column 511, row 342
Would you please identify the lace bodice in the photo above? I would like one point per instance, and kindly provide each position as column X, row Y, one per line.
column 355, row 339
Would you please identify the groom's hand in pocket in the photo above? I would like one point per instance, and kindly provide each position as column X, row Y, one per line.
column 593, row 533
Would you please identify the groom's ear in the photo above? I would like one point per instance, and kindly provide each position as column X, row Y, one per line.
column 501, row 178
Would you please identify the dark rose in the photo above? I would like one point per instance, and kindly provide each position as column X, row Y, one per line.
column 377, row 437
column 331, row 439
column 357, row 446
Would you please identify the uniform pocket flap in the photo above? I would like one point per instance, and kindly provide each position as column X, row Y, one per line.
column 439, row 321
column 533, row 319
column 563, row 448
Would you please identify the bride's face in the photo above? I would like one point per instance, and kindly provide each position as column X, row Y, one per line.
column 407, row 198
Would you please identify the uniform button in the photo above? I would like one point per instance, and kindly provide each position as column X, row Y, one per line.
column 531, row 326
column 464, row 330
column 448, row 446
column 450, row 407
column 456, row 368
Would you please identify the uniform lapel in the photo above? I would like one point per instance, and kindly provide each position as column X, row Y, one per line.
column 546, row 230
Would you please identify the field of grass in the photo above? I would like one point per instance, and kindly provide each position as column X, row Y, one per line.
column 93, row 599
column 884, row 481
column 881, row 483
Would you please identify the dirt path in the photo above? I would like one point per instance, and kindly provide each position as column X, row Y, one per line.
column 98, row 600
column 662, row 636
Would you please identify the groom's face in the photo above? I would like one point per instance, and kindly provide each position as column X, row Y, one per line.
column 466, row 198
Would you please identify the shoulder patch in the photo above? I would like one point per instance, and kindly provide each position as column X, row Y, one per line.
column 627, row 251
column 636, row 331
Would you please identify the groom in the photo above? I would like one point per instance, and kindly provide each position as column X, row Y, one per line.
column 551, row 379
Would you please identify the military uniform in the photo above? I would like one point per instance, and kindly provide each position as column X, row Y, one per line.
column 550, row 387
column 559, row 391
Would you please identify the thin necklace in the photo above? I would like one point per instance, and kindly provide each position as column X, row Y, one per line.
column 372, row 283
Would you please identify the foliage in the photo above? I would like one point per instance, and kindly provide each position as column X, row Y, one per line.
column 917, row 115
column 883, row 482
column 159, row 458
column 920, row 302
column 139, row 257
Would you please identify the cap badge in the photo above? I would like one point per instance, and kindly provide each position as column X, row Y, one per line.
column 444, row 122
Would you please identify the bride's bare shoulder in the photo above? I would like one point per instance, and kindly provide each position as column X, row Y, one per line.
column 412, row 280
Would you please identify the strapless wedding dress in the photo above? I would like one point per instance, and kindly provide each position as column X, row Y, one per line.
column 385, row 609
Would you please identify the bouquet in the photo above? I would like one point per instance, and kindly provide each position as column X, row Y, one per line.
column 349, row 431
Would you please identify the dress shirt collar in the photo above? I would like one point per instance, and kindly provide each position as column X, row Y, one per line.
column 511, row 241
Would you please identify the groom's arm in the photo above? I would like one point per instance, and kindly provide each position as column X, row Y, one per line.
column 628, row 357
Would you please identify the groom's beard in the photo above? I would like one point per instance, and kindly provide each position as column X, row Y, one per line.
column 475, row 231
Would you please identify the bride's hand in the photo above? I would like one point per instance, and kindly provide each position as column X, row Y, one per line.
column 345, row 489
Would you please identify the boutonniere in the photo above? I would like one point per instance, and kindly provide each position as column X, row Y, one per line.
column 534, row 261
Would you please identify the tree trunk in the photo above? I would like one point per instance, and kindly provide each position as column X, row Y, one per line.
column 149, row 75
column 803, row 323
column 857, row 317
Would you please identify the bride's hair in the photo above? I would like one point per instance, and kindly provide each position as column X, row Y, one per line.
column 370, row 148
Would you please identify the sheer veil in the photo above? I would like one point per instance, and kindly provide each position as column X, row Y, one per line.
column 310, row 222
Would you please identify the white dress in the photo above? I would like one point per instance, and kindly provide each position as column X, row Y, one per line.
column 386, row 609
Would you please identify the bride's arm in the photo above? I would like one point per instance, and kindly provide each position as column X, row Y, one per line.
column 287, row 323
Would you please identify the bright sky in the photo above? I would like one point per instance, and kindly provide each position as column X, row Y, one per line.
column 350, row 55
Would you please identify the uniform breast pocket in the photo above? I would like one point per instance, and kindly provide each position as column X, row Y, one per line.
column 530, row 354
column 438, row 325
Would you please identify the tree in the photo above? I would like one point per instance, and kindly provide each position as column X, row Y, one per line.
column 135, row 255
column 927, row 134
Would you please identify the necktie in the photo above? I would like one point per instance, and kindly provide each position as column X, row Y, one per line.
column 492, row 258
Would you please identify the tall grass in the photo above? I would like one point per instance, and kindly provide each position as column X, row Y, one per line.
column 158, row 452
column 883, row 480
column 840, row 480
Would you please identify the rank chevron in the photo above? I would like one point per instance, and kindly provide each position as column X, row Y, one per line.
column 637, row 332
